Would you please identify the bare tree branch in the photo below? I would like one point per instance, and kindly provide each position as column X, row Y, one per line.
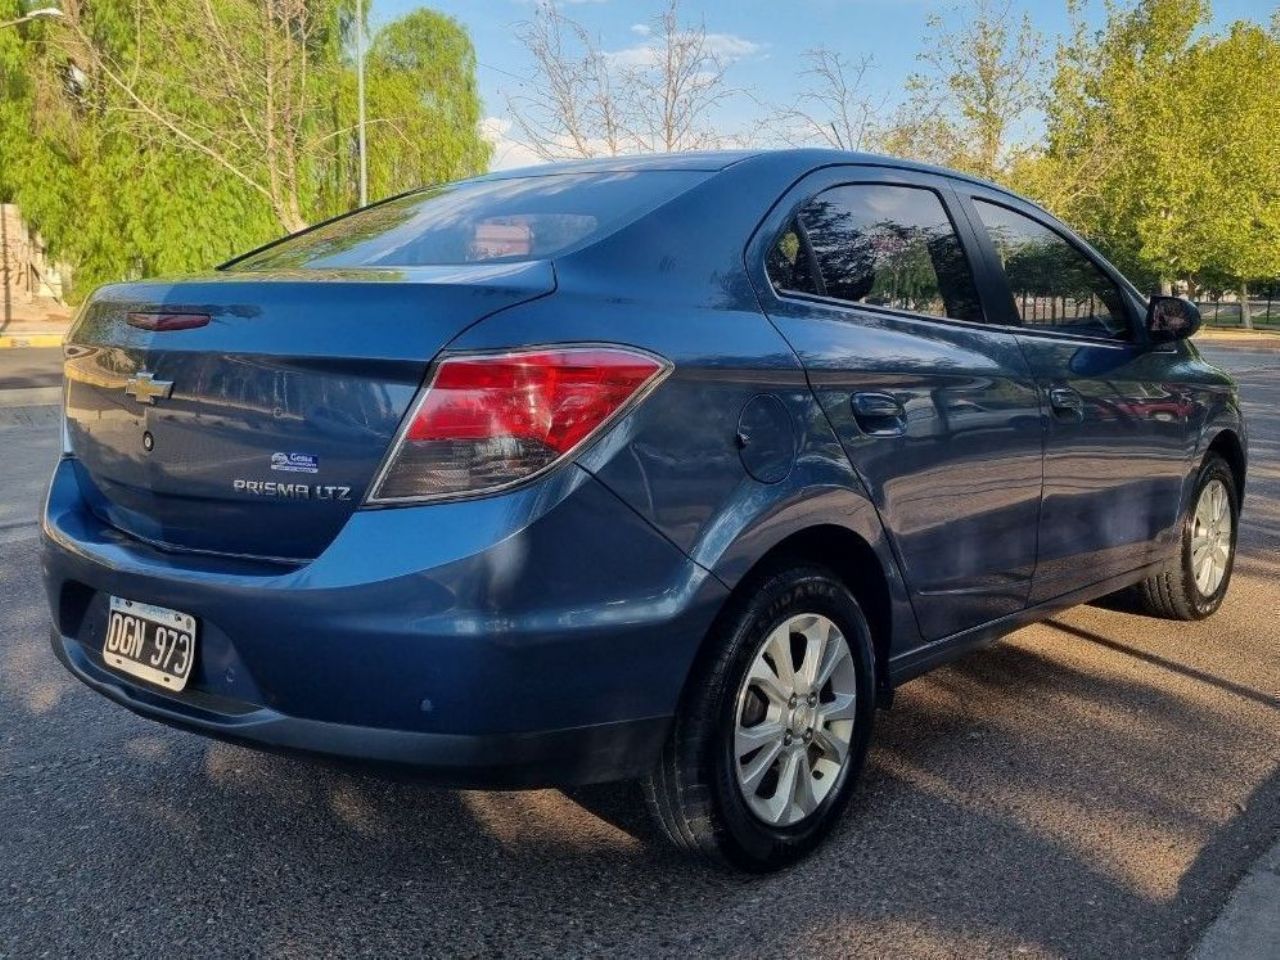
column 981, row 77
column 245, row 105
column 583, row 101
column 833, row 110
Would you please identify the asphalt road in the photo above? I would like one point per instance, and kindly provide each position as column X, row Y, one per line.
column 1090, row 787
column 30, row 367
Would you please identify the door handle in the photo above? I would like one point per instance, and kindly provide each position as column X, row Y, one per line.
column 879, row 414
column 1066, row 402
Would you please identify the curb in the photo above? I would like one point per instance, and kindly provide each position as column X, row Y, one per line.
column 9, row 341
column 1249, row 926
column 1229, row 334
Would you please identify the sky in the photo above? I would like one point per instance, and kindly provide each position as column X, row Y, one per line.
column 763, row 39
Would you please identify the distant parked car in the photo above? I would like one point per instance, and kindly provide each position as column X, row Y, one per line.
column 672, row 468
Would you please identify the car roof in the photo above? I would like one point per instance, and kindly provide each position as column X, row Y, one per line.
column 711, row 161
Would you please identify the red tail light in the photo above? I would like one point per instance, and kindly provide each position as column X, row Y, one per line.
column 487, row 421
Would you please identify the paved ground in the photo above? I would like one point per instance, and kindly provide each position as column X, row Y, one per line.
column 30, row 367
column 1091, row 787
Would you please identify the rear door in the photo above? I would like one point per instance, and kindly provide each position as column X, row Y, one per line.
column 866, row 272
column 1117, row 423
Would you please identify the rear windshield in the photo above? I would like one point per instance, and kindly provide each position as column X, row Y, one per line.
column 528, row 218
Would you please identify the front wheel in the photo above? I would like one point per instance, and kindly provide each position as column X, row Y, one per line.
column 1192, row 584
column 773, row 730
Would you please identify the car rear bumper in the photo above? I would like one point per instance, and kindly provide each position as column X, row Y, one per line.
column 606, row 751
column 539, row 638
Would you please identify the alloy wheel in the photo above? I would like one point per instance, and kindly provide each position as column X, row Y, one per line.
column 794, row 719
column 1211, row 537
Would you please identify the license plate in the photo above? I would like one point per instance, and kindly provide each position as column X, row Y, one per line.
column 153, row 643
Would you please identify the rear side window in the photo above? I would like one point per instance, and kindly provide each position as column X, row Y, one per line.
column 886, row 246
column 1054, row 285
column 526, row 218
column 789, row 264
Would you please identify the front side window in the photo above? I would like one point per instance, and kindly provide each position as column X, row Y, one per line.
column 886, row 246
column 1054, row 285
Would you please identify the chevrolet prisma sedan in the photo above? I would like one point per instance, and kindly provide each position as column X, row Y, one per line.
column 669, row 468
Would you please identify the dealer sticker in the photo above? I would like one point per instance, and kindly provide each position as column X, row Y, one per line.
column 295, row 462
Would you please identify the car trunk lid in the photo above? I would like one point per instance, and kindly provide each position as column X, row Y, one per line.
column 256, row 432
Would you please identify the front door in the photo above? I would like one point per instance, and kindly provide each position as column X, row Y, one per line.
column 1116, row 446
column 936, row 408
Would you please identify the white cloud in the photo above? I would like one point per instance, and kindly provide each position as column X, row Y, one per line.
column 641, row 55
column 507, row 153
column 730, row 46
column 726, row 46
column 641, row 29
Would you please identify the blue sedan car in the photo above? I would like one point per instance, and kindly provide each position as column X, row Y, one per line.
column 669, row 468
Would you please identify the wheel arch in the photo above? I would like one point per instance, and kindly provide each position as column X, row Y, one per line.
column 858, row 565
column 854, row 561
column 1228, row 445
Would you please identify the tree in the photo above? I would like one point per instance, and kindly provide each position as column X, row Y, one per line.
column 570, row 107
column 233, row 82
column 1137, row 93
column 1235, row 224
column 675, row 88
column 1089, row 145
column 424, row 108
column 149, row 136
column 1160, row 145
column 106, row 203
column 981, row 77
column 583, row 101
column 833, row 109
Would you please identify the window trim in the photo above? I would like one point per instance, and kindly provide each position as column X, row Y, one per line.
column 806, row 250
column 1134, row 336
column 815, row 268
column 792, row 216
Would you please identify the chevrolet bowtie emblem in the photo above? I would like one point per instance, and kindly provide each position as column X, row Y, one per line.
column 147, row 388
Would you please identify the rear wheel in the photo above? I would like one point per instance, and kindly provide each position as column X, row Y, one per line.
column 773, row 731
column 1192, row 584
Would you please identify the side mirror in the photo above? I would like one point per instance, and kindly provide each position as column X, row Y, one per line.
column 1171, row 318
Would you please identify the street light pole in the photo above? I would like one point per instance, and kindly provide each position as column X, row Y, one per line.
column 52, row 12
column 364, row 161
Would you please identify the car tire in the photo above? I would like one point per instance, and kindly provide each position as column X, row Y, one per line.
column 708, row 796
column 1192, row 584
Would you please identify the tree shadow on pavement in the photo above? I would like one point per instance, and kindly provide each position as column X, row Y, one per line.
column 1089, row 787
column 980, row 829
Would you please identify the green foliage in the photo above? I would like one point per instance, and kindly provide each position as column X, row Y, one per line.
column 423, row 107
column 146, row 137
column 1235, row 225
column 979, row 78
column 1161, row 145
